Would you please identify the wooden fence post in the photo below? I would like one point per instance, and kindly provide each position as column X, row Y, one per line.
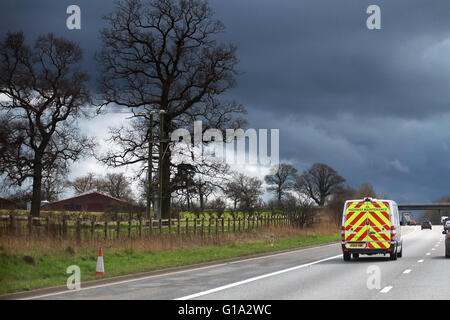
column 223, row 225
column 170, row 225
column 209, row 226
column 160, row 226
column 93, row 229
column 78, row 230
column 64, row 221
column 12, row 224
column 140, row 227
column 150, row 226
column 179, row 224
column 195, row 225
column 187, row 225
column 203, row 225
column 118, row 228
column 130, row 221
column 106, row 229
column 47, row 226
column 239, row 224
column 217, row 227
column 30, row 224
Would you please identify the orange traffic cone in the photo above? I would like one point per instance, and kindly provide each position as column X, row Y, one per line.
column 100, row 270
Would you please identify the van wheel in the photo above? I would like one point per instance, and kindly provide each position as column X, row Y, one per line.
column 400, row 254
column 356, row 256
column 346, row 256
column 393, row 256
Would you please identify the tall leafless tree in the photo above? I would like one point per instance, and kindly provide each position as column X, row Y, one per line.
column 163, row 55
column 117, row 185
column 245, row 191
column 83, row 184
column 44, row 94
column 281, row 179
column 319, row 182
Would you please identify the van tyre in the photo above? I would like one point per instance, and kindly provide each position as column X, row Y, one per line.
column 400, row 254
column 346, row 256
column 393, row 255
column 356, row 256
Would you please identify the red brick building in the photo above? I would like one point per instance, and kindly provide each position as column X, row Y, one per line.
column 90, row 202
column 7, row 204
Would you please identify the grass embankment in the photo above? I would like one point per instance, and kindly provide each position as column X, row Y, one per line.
column 27, row 264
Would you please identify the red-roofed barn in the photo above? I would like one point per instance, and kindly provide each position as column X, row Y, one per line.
column 7, row 204
column 90, row 202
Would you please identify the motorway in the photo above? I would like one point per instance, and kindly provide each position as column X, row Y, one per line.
column 314, row 273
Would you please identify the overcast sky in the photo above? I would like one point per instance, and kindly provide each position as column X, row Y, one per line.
column 373, row 104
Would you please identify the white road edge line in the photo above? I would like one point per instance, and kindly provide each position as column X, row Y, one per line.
column 386, row 289
column 407, row 271
column 175, row 272
column 235, row 284
column 420, row 261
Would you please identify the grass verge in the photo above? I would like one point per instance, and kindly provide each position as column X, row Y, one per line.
column 27, row 264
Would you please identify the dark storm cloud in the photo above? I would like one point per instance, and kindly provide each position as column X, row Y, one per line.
column 375, row 105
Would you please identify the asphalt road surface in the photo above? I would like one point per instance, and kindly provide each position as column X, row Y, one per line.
column 315, row 273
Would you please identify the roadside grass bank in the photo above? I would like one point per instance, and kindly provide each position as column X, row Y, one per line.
column 27, row 264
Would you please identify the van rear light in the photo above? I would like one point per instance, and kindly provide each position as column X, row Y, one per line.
column 448, row 235
column 393, row 233
column 342, row 233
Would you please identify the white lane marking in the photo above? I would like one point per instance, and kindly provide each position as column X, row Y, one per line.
column 410, row 233
column 386, row 289
column 420, row 261
column 427, row 253
column 175, row 272
column 407, row 271
column 433, row 249
column 238, row 283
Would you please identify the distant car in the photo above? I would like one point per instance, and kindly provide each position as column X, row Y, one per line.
column 447, row 243
column 426, row 225
column 412, row 223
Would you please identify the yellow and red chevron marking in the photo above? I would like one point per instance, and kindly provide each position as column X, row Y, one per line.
column 379, row 235
column 356, row 218
column 378, row 245
column 369, row 222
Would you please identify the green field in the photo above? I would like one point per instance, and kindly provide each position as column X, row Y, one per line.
column 25, row 266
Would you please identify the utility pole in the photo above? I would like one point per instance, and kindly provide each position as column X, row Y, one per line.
column 161, row 155
column 150, row 166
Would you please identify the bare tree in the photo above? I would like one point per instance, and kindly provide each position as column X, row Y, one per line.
column 54, row 183
column 163, row 55
column 299, row 210
column 86, row 183
column 44, row 95
column 117, row 185
column 319, row 182
column 281, row 179
column 336, row 204
column 245, row 191
column 366, row 190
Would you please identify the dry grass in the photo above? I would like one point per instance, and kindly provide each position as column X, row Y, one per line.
column 31, row 246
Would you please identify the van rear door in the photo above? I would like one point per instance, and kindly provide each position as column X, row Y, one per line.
column 355, row 224
column 379, row 225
